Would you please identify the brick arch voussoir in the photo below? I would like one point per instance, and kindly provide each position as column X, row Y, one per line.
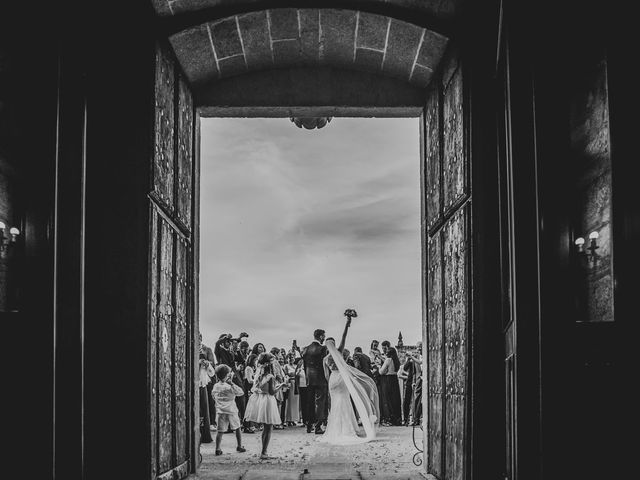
column 293, row 37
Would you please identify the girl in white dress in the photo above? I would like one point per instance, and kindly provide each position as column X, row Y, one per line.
column 263, row 407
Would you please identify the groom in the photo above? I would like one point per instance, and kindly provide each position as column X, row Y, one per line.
column 317, row 389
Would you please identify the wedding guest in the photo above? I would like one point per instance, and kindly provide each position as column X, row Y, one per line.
column 258, row 348
column 389, row 388
column 362, row 362
column 301, row 384
column 295, row 349
column 346, row 354
column 376, row 357
column 406, row 374
column 224, row 393
column 241, row 360
column 249, row 377
column 205, row 370
column 208, row 353
column 417, row 385
column 222, row 350
column 417, row 402
column 280, row 378
column 242, row 353
column 263, row 407
column 249, row 372
column 284, row 389
column 225, row 356
column 292, row 409
column 375, row 354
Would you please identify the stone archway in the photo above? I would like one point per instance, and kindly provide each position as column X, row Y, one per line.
column 288, row 37
column 228, row 60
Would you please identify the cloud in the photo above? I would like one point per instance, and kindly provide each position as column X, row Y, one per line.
column 298, row 225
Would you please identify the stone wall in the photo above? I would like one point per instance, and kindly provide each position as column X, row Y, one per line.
column 7, row 180
column 591, row 167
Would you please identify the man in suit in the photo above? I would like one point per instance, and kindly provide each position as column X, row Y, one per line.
column 362, row 362
column 317, row 387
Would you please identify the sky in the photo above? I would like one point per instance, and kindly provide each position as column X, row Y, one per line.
column 298, row 225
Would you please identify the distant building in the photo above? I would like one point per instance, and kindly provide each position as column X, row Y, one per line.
column 403, row 349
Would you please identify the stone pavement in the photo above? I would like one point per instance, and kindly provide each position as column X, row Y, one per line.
column 388, row 457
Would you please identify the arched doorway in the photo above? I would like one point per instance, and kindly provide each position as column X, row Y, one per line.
column 315, row 62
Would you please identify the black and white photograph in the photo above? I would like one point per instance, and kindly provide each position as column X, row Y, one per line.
column 318, row 239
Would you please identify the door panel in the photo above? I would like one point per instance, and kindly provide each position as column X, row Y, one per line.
column 435, row 365
column 432, row 152
column 510, row 404
column 165, row 348
column 172, row 324
column 185, row 154
column 154, row 296
column 164, row 157
column 456, row 318
column 455, row 168
column 181, row 335
column 448, row 276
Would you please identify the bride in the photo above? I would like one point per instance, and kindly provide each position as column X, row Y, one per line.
column 347, row 383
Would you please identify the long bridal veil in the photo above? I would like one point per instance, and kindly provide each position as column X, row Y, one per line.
column 362, row 389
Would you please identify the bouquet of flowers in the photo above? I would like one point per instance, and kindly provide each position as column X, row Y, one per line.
column 350, row 312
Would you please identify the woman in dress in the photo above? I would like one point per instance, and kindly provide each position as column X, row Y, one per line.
column 249, row 377
column 301, row 384
column 278, row 372
column 292, row 408
column 389, row 388
column 346, row 383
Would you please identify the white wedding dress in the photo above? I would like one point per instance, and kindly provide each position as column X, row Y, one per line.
column 345, row 383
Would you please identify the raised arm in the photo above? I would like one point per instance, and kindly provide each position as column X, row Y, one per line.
column 344, row 334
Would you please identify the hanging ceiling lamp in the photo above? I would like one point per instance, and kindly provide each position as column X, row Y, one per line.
column 310, row 122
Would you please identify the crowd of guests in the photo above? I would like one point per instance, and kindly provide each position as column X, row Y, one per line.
column 226, row 390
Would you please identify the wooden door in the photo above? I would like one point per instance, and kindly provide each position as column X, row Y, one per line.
column 172, row 329
column 519, row 194
column 447, row 239
column 503, row 124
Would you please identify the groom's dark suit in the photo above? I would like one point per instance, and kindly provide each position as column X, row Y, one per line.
column 313, row 356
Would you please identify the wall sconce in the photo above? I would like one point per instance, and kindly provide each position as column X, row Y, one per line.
column 6, row 242
column 589, row 252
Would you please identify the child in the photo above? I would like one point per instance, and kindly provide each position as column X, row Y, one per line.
column 262, row 407
column 224, row 393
